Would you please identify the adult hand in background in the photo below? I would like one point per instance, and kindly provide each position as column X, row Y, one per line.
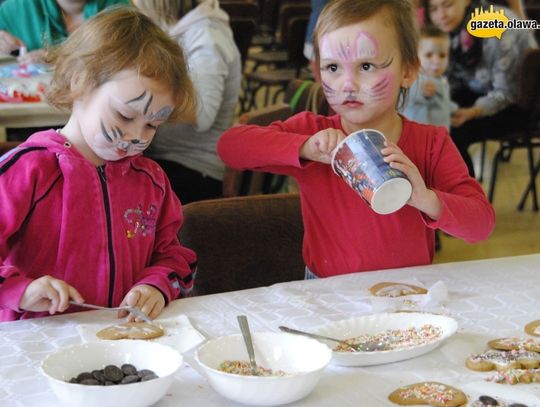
column 8, row 43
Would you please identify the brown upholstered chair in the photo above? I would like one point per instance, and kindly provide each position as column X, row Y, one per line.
column 244, row 242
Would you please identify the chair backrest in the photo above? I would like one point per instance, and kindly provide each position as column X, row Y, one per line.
column 243, row 29
column 288, row 11
column 240, row 8
column 294, row 43
column 244, row 242
column 302, row 95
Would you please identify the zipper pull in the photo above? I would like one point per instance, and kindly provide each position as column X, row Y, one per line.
column 101, row 171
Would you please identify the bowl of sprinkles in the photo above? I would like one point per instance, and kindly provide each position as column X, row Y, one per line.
column 288, row 367
column 386, row 338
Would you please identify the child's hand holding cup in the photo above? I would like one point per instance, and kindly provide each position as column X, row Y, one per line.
column 359, row 161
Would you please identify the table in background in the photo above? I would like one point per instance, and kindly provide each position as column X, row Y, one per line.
column 28, row 114
column 489, row 298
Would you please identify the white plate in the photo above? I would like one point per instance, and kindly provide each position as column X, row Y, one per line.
column 373, row 324
column 502, row 393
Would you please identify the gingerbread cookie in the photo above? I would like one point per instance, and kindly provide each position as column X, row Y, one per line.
column 529, row 344
column 389, row 289
column 514, row 376
column 428, row 393
column 131, row 330
column 533, row 328
column 502, row 360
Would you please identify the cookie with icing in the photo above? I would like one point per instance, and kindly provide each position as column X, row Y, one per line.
column 533, row 328
column 131, row 330
column 502, row 359
column 514, row 376
column 389, row 289
column 428, row 393
column 529, row 344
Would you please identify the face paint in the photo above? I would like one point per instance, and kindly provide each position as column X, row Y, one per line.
column 128, row 109
column 361, row 70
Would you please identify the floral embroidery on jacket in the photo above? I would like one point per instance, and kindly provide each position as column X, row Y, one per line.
column 140, row 221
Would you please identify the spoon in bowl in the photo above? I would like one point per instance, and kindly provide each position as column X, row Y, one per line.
column 246, row 334
column 368, row 346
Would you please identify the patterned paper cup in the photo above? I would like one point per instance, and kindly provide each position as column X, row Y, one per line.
column 358, row 160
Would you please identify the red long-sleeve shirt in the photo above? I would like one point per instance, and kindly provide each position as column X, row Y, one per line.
column 342, row 233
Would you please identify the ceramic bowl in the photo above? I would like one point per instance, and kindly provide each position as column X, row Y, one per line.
column 64, row 364
column 301, row 361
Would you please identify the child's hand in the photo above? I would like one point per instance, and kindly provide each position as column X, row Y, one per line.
column 145, row 297
column 422, row 198
column 320, row 146
column 429, row 89
column 32, row 57
column 8, row 43
column 48, row 294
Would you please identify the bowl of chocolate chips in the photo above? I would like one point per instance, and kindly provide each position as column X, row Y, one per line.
column 131, row 373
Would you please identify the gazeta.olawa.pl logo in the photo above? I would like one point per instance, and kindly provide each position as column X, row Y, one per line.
column 491, row 23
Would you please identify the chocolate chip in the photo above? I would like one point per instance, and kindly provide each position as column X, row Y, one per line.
column 488, row 400
column 131, row 379
column 129, row 369
column 517, row 405
column 90, row 382
column 113, row 373
column 149, row 377
column 83, row 376
column 144, row 372
column 99, row 376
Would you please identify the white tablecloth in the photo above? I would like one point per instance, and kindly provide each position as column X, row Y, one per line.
column 489, row 298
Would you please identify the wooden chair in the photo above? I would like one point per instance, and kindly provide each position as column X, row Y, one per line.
column 256, row 80
column 528, row 136
column 244, row 242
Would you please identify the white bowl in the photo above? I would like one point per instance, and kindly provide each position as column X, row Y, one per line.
column 303, row 359
column 373, row 324
column 61, row 366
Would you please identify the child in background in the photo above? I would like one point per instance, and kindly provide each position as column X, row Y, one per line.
column 84, row 215
column 367, row 53
column 429, row 96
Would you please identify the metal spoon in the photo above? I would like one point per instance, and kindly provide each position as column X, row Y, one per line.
column 369, row 346
column 246, row 334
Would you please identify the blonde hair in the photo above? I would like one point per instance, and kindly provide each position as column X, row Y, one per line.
column 340, row 13
column 166, row 12
column 117, row 39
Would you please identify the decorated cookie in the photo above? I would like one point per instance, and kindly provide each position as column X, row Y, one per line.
column 388, row 289
column 131, row 330
column 530, row 344
column 533, row 328
column 488, row 401
column 428, row 393
column 514, row 376
column 502, row 360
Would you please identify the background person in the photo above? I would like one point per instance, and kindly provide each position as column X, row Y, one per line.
column 483, row 74
column 36, row 24
column 186, row 152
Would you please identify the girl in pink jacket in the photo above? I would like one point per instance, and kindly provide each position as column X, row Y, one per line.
column 84, row 216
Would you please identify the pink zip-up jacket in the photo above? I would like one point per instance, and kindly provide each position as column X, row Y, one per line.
column 101, row 229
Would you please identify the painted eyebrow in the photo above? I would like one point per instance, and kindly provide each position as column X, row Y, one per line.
column 136, row 99
column 148, row 104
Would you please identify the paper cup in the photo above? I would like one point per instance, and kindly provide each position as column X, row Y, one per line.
column 358, row 160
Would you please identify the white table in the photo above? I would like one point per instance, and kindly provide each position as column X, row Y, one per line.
column 489, row 298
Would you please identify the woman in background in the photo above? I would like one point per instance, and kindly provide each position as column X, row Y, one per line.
column 187, row 153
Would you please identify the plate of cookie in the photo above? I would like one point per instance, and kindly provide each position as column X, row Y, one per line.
column 398, row 336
